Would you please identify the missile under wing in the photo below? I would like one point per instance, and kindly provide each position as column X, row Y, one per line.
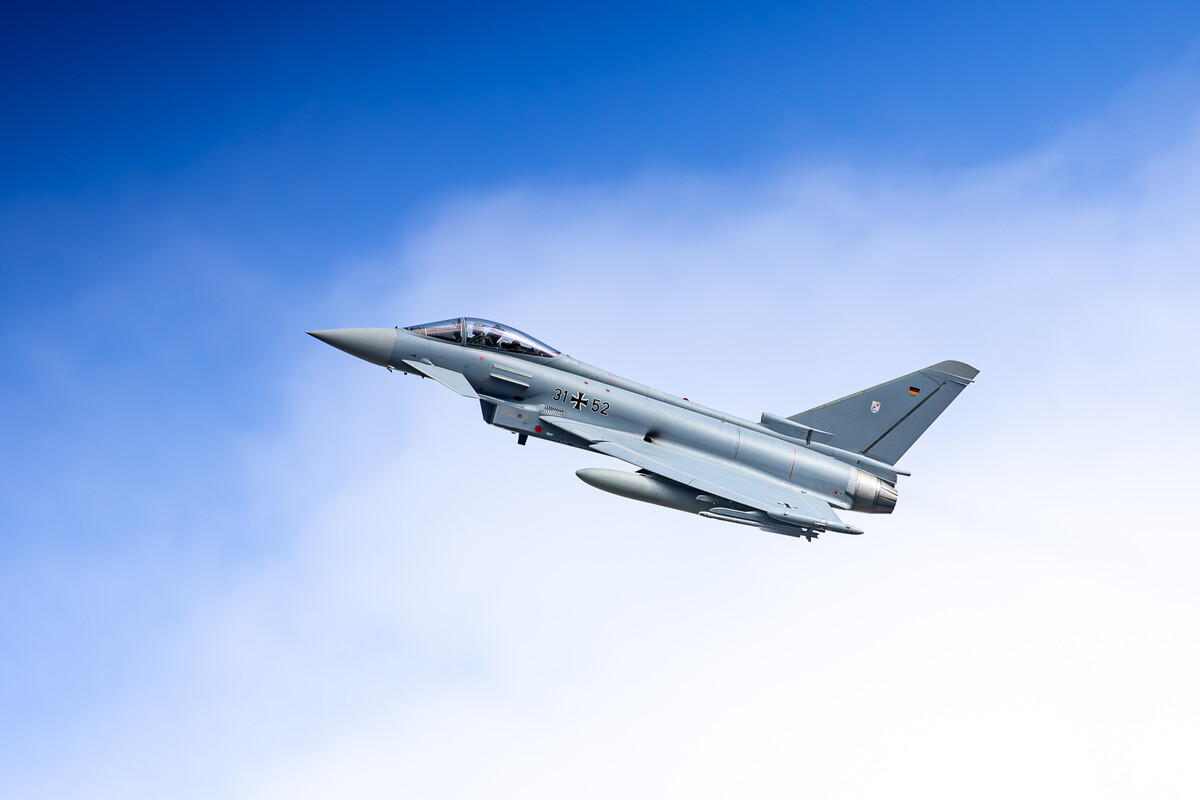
column 788, row 475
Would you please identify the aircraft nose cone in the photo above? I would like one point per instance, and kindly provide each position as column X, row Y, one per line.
column 369, row 344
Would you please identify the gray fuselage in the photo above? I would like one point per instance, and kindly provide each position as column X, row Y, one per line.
column 516, row 390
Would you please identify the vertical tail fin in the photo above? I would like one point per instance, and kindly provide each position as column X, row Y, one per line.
column 883, row 422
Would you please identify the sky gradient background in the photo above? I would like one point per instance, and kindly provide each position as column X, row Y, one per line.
column 238, row 563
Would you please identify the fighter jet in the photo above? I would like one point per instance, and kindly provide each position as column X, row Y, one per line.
column 788, row 475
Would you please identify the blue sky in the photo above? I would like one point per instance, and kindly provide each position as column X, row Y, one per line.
column 237, row 563
column 218, row 111
column 320, row 129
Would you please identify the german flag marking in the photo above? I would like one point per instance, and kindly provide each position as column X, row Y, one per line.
column 914, row 390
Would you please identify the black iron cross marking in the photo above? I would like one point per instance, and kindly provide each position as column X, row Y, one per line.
column 579, row 400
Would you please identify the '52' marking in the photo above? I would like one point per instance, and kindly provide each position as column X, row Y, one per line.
column 579, row 400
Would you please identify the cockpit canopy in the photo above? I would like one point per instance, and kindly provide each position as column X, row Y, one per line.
column 485, row 334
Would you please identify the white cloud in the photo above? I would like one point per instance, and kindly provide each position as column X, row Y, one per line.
column 441, row 613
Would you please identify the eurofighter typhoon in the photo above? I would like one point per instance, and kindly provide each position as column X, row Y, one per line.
column 788, row 475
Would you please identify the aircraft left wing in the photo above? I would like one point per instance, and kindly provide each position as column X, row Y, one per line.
column 775, row 505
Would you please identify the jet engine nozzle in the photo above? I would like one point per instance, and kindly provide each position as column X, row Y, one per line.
column 871, row 495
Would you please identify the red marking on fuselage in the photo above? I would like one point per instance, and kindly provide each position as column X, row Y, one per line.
column 793, row 469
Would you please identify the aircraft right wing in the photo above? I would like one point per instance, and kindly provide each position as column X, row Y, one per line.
column 772, row 504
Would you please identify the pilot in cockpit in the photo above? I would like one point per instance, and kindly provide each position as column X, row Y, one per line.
column 476, row 334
